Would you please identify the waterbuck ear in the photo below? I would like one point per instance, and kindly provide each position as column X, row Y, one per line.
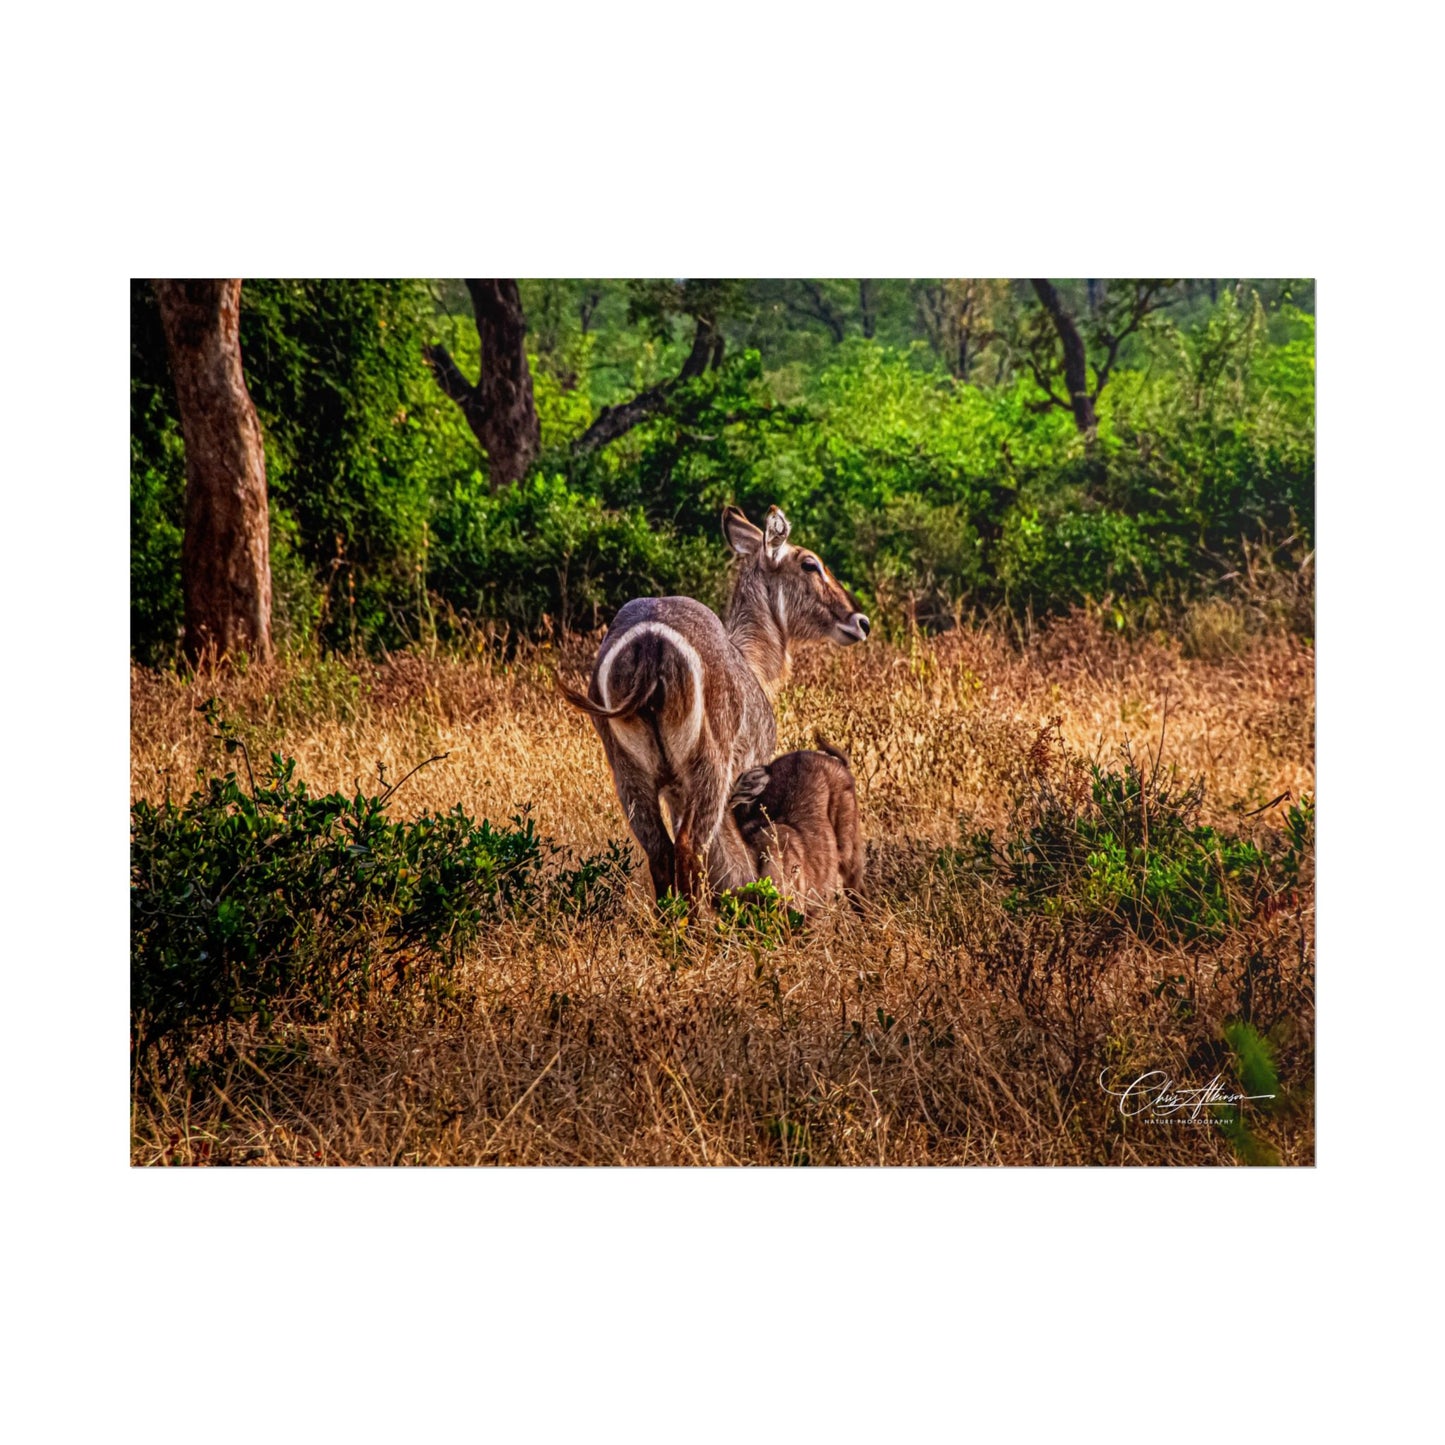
column 777, row 529
column 742, row 536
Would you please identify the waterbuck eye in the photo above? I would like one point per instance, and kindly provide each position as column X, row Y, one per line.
column 812, row 564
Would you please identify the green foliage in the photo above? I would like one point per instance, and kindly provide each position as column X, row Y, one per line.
column 654, row 304
column 930, row 494
column 671, row 930
column 1124, row 848
column 758, row 913
column 359, row 441
column 543, row 555
column 792, row 1137
column 710, row 447
column 157, row 489
column 1047, row 562
column 596, row 885
column 251, row 903
column 1253, row 1059
column 1215, row 439
column 1299, row 827
column 1258, row 1074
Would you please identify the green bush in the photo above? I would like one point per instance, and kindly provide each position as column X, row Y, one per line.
column 157, row 489
column 1124, row 847
column 928, row 495
column 1047, row 563
column 251, row 904
column 544, row 556
column 758, row 913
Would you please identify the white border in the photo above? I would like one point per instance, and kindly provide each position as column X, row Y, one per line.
column 756, row 140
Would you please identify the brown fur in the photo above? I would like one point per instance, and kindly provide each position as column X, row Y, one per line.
column 683, row 703
column 798, row 818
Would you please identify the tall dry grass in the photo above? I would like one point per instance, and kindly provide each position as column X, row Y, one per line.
column 931, row 1028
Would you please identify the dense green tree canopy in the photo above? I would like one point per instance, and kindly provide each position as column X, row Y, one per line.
column 915, row 430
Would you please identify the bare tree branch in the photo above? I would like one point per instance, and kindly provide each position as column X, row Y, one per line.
column 1146, row 299
column 817, row 308
column 613, row 421
column 449, row 377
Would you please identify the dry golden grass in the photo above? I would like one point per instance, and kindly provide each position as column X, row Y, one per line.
column 930, row 1029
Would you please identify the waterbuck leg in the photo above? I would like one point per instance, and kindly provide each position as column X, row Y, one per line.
column 698, row 827
column 638, row 796
column 691, row 870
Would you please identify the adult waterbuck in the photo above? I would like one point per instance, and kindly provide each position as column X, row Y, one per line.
column 683, row 702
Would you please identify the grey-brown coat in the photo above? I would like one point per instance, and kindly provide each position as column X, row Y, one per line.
column 683, row 701
column 798, row 819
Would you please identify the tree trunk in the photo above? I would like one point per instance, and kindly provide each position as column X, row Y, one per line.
column 226, row 551
column 499, row 408
column 825, row 312
column 1076, row 372
column 865, row 307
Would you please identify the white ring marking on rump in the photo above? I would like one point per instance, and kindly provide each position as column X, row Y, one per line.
column 682, row 741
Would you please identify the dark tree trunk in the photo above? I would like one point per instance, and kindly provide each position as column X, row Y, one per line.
column 1076, row 372
column 499, row 408
column 865, row 307
column 226, row 551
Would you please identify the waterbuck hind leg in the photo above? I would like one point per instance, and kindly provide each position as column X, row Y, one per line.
column 638, row 796
column 698, row 826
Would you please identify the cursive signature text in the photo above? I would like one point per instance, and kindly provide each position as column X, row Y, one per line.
column 1156, row 1093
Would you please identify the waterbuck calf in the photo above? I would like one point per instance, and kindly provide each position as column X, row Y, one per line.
column 683, row 702
column 798, row 818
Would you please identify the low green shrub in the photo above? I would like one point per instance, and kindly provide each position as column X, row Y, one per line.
column 1124, row 846
column 757, row 912
column 596, row 884
column 255, row 903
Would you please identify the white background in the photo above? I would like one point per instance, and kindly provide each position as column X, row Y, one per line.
column 748, row 140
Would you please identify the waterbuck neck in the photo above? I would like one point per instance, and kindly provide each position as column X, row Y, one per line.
column 758, row 633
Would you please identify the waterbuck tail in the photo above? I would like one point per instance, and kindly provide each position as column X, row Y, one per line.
column 634, row 701
column 825, row 746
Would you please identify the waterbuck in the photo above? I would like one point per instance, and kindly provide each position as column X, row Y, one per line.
column 683, row 703
column 798, row 818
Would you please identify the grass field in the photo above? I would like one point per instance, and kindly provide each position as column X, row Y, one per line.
column 938, row 1025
